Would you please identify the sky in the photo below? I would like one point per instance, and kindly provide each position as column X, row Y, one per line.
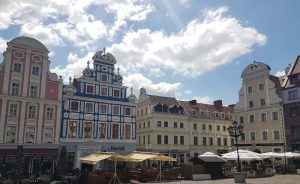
column 188, row 49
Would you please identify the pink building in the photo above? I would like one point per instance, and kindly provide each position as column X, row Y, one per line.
column 30, row 107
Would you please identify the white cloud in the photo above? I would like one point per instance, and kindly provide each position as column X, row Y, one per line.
column 188, row 92
column 53, row 21
column 280, row 73
column 156, row 72
column 138, row 81
column 2, row 45
column 203, row 99
column 201, row 46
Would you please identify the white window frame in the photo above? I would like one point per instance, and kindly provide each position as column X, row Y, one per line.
column 113, row 109
column 15, row 110
column 102, row 87
column 273, row 116
column 274, row 134
column 250, row 118
column 263, row 85
column 261, row 119
column 249, row 93
column 35, row 70
column 125, row 111
column 50, row 113
column 30, row 140
column 262, row 135
column 77, row 106
column 48, row 135
column 34, row 90
column 90, row 85
column 100, row 108
column 15, row 91
column 10, row 138
column 115, row 96
column 86, row 108
column 250, row 137
column 16, row 69
column 32, row 111
column 104, row 81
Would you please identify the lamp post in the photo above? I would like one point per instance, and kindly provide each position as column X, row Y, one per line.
column 235, row 131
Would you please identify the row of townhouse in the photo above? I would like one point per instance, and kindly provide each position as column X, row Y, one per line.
column 55, row 123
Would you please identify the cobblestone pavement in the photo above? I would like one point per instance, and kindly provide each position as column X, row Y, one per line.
column 277, row 179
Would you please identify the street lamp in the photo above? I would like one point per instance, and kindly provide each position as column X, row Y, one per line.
column 235, row 131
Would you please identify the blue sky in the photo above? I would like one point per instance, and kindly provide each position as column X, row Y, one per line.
column 190, row 49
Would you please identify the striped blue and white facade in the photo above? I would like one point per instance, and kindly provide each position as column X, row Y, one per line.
column 97, row 115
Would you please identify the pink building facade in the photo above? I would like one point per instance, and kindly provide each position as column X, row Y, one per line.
column 30, row 106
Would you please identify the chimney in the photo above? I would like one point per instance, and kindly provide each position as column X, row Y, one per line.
column 218, row 105
column 193, row 102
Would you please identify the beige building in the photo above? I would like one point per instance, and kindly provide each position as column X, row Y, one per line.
column 162, row 126
column 259, row 109
column 181, row 129
column 208, row 127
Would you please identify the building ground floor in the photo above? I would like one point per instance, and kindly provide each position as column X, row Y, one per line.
column 77, row 149
column 27, row 160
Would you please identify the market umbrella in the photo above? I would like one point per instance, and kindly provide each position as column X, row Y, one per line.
column 210, row 157
column 290, row 155
column 245, row 155
column 270, row 155
column 161, row 158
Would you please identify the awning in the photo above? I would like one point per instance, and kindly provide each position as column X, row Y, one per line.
column 121, row 158
column 141, row 156
column 210, row 157
column 94, row 158
column 163, row 158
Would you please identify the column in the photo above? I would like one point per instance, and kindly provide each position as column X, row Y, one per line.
column 3, row 115
column 21, row 127
column 26, row 73
column 44, row 73
column 40, row 123
column 7, row 61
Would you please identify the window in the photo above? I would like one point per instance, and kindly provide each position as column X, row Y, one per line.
column 224, row 128
column 15, row 89
column 89, row 107
column 250, row 104
column 293, row 111
column 181, row 139
column 102, row 130
column 276, row 135
column 139, row 140
column 223, row 116
column 252, row 136
column 166, row 140
column 148, row 123
column 103, row 108
column 144, row 125
column 148, row 137
column 263, row 117
column 115, row 133
column 204, row 141
column 88, row 130
column 158, row 124
column 264, row 135
column 294, row 79
column 127, row 131
column 208, row 114
column 218, row 127
column 166, row 124
column 275, row 115
column 249, row 90
column 203, row 126
column 158, row 139
column 251, row 118
column 144, row 140
column 11, row 134
column 175, row 124
column 90, row 89
column 181, row 125
column 50, row 113
column 224, row 141
column 211, row 141
column 48, row 135
column 32, row 112
column 74, row 106
column 243, row 136
column 262, row 102
column 195, row 126
column 116, row 110
column 29, row 134
column 35, row 70
column 195, row 140
column 103, row 91
column 175, row 139
column 293, row 95
column 261, row 87
column 241, row 119
column 17, row 67
column 209, row 127
column 219, row 141
column 104, row 78
column 117, row 93
column 127, row 111
column 72, row 129
column 33, row 91
column 13, row 110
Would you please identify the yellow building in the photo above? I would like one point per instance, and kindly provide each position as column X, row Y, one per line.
column 181, row 129
column 259, row 109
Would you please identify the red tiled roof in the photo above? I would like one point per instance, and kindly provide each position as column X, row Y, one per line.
column 169, row 101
